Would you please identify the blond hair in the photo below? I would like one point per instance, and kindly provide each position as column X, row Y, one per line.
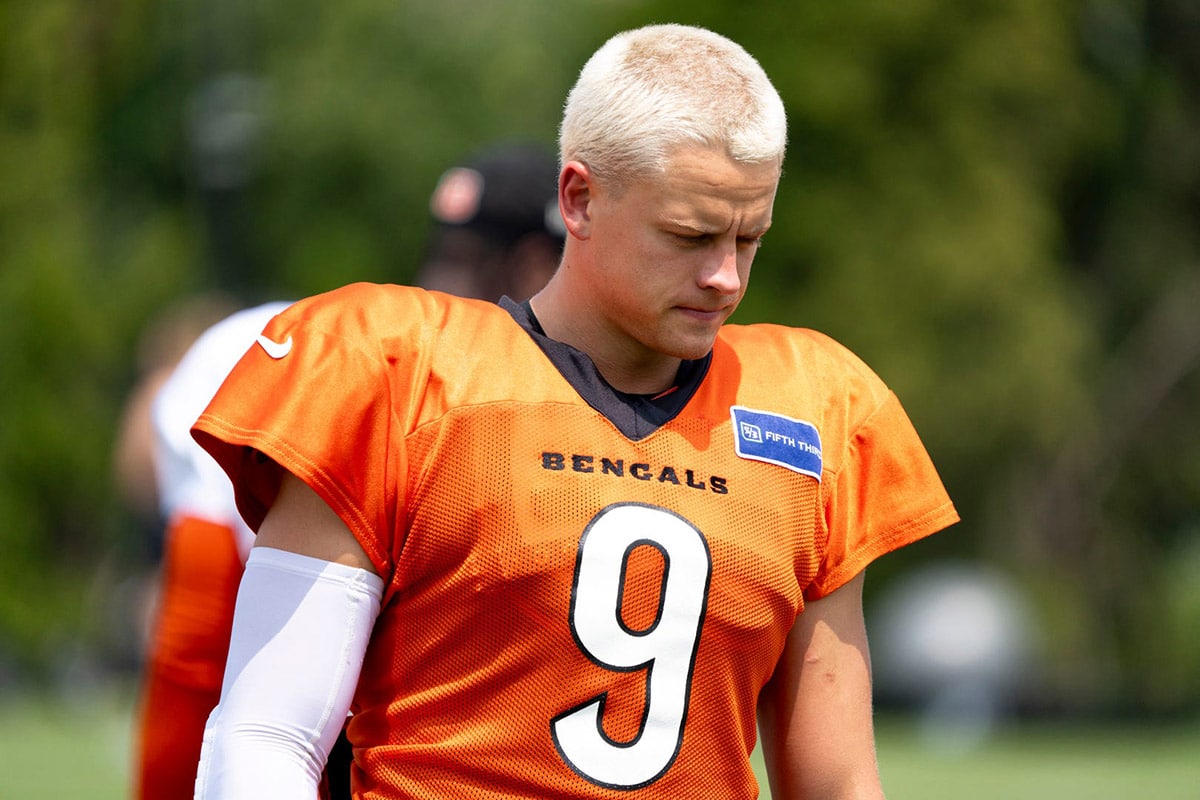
column 648, row 91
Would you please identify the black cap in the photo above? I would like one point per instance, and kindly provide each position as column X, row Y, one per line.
column 502, row 192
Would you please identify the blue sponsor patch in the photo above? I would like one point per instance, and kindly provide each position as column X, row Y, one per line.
column 776, row 439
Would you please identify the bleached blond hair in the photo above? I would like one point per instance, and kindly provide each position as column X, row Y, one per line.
column 650, row 90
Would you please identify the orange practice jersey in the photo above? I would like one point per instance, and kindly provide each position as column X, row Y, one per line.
column 569, row 611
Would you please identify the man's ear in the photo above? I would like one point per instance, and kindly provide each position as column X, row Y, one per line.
column 575, row 197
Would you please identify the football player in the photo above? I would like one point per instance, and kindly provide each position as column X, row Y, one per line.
column 582, row 545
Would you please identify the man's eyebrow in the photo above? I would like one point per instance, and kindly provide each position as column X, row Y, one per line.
column 699, row 226
column 696, row 226
column 689, row 225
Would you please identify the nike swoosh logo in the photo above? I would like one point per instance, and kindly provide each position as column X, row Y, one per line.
column 275, row 350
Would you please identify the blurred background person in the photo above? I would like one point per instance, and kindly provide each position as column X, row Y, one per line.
column 162, row 343
column 497, row 232
column 204, row 545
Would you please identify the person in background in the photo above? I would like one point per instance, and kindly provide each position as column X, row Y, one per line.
column 492, row 237
column 161, row 344
column 498, row 229
column 583, row 545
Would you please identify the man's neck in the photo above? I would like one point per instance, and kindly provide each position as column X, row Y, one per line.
column 644, row 373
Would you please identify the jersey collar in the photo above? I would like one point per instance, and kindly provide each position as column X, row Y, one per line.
column 634, row 415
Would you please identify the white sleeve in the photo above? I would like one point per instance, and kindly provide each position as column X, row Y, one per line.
column 299, row 634
column 189, row 481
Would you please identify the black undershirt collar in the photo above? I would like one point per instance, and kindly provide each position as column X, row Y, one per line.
column 634, row 415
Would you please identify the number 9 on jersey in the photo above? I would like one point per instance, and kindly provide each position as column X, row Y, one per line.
column 665, row 650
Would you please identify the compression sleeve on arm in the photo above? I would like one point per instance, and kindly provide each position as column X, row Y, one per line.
column 300, row 631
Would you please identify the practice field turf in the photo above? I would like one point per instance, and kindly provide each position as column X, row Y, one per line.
column 64, row 750
column 1047, row 761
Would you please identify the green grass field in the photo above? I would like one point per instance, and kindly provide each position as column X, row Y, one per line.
column 1047, row 761
column 59, row 750
column 62, row 749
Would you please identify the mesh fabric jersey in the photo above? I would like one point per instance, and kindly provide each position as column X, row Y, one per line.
column 569, row 611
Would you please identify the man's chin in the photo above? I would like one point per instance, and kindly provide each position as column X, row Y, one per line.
column 690, row 348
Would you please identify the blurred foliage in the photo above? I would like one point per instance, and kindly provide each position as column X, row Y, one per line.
column 996, row 204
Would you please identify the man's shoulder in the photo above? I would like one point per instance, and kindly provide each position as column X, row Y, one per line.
column 383, row 310
column 364, row 297
column 791, row 346
column 799, row 372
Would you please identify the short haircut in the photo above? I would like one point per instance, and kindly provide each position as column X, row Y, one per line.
column 648, row 91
